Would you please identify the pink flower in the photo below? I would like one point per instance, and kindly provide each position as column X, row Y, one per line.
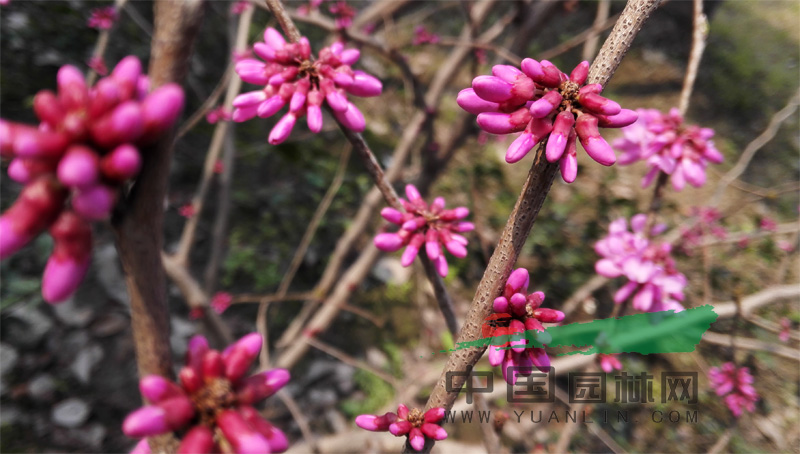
column 217, row 114
column 240, row 7
column 423, row 36
column 221, row 301
column 241, row 55
column 212, row 402
column 736, row 384
column 542, row 102
column 102, row 18
column 431, row 225
column 414, row 424
column 785, row 334
column 293, row 79
column 218, row 167
column 609, row 362
column 668, row 146
column 786, row 245
column 768, row 224
column 187, row 210
column 84, row 149
column 343, row 13
column 652, row 278
column 98, row 65
column 519, row 312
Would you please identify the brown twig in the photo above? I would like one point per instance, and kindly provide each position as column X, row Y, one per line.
column 699, row 36
column 578, row 39
column 208, row 104
column 299, row 418
column 526, row 210
column 751, row 344
column 284, row 20
column 592, row 41
column 139, row 224
column 349, row 360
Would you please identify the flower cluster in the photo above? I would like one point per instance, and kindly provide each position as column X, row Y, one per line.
column 220, row 113
column 84, row 149
column 213, row 398
column 648, row 265
column 240, row 6
column 785, row 334
column 520, row 312
column 668, row 146
column 707, row 223
column 412, row 423
column 423, row 36
column 609, row 362
column 736, row 384
column 421, row 223
column 292, row 78
column 102, row 18
column 343, row 14
column 541, row 101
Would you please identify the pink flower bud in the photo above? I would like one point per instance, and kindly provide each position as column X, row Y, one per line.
column 72, row 89
column 388, row 242
column 190, row 379
column 121, row 164
column 392, row 215
column 349, row 56
column 557, row 142
column 500, row 304
column 412, row 249
column 365, row 85
column 264, row 51
column 123, row 124
column 625, row 117
column 276, row 439
column 69, row 261
column 506, row 72
column 127, row 73
column 352, row 118
column 399, row 428
column 594, row 144
column 468, row 100
column 242, row 437
column 416, row 439
column 518, row 280
column 32, row 143
column 532, row 69
column 156, row 388
column 432, row 246
column 540, row 359
column 94, row 202
column 545, row 105
column 142, row 447
column 551, row 77
column 35, row 209
column 48, row 108
column 198, row 439
column 502, row 123
column 412, row 193
column 241, row 356
column 282, row 129
column 250, row 98
column 493, row 88
column 260, row 386
column 160, row 109
column 579, row 74
column 79, row 167
column 599, row 104
column 170, row 414
column 25, row 170
column 569, row 160
column 547, row 315
column 273, row 38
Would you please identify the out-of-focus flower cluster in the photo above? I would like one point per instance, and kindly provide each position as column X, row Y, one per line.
column 423, row 36
column 609, row 362
column 647, row 264
column 212, row 405
column 412, row 423
column 736, row 384
column 432, row 225
column 291, row 77
column 668, row 146
column 520, row 312
column 74, row 162
column 707, row 224
column 542, row 102
column 102, row 18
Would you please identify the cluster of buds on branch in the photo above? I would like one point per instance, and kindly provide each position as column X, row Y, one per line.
column 520, row 312
column 292, row 77
column 648, row 265
column 736, row 384
column 73, row 164
column 413, row 423
column 669, row 146
column 432, row 225
column 542, row 102
column 211, row 407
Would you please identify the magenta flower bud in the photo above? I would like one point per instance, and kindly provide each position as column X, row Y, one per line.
column 190, row 379
column 127, row 73
column 273, row 38
column 297, row 102
column 314, row 118
column 579, row 74
column 517, row 303
column 412, row 249
column 441, row 266
column 412, row 193
column 72, row 88
column 500, row 304
column 495, row 355
column 275, row 438
column 434, row 415
column 465, row 227
column 342, row 79
column 502, row 123
column 142, row 447
column 591, row 88
column 365, row 85
column 624, row 118
column 433, row 431
column 48, row 108
column 438, row 205
column 493, row 88
column 545, row 105
column 625, row 291
column 352, row 118
column 26, row 170
column 79, row 167
column 271, row 106
column 156, row 388
column 105, row 95
column 392, row 215
column 516, row 327
column 70, row 258
column 599, row 104
column 250, row 98
column 506, row 366
column 336, row 100
column 569, row 160
column 196, row 349
column 594, row 144
column 241, row 356
column 198, row 439
column 547, row 315
column 160, row 109
column 240, row 434
column 349, row 56
column 540, row 359
column 32, row 143
column 518, row 280
column 240, row 115
column 123, row 124
column 551, row 77
column 557, row 142
column 94, row 202
column 282, row 129
column 264, row 51
column 35, row 209
column 121, row 164
column 416, row 439
column 531, row 324
column 506, row 72
column 399, row 428
column 260, row 386
column 432, row 246
column 456, row 248
column 532, row 69
column 388, row 242
column 468, row 100
column 167, row 415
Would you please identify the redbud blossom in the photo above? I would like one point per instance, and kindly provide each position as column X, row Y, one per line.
column 433, row 226
column 669, row 146
column 653, row 280
column 102, row 18
column 736, row 384
column 84, row 149
column 609, row 363
column 414, row 424
column 521, row 312
column 293, row 80
column 543, row 103
column 212, row 396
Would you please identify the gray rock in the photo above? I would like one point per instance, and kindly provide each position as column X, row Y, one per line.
column 92, row 435
column 8, row 358
column 71, row 314
column 343, row 375
column 70, row 413
column 109, row 273
column 180, row 332
column 376, row 358
column 389, row 270
column 41, row 387
column 322, row 397
column 85, row 361
column 10, row 415
column 27, row 325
